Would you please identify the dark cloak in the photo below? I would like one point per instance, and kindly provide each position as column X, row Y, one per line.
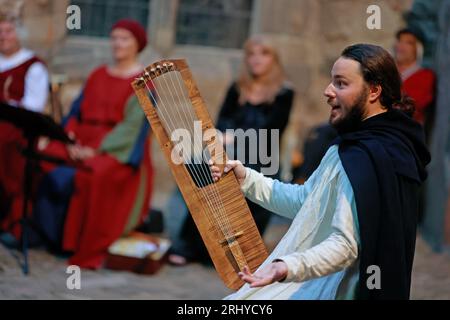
column 385, row 161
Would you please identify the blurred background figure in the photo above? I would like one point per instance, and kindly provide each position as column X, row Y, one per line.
column 106, row 191
column 24, row 84
column 429, row 20
column 317, row 142
column 260, row 98
column 417, row 82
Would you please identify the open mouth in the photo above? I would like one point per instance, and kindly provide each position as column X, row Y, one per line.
column 335, row 107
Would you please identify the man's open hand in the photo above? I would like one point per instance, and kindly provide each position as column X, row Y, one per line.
column 273, row 272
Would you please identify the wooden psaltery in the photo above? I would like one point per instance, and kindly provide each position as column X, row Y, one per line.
column 170, row 99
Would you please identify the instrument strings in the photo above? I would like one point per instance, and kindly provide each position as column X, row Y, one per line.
column 176, row 111
column 169, row 126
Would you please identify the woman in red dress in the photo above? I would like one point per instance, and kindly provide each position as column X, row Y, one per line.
column 107, row 194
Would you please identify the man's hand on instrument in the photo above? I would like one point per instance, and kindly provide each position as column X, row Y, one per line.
column 273, row 272
column 236, row 165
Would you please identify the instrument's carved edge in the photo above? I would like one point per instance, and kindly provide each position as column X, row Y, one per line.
column 158, row 68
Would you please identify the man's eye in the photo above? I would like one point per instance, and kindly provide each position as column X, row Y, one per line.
column 340, row 84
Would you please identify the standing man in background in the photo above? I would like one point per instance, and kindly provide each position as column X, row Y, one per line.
column 417, row 82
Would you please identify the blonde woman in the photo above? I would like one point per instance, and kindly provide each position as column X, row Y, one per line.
column 260, row 98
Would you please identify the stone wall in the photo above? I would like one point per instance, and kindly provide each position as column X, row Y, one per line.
column 44, row 22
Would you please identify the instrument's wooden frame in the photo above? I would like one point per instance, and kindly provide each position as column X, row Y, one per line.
column 224, row 254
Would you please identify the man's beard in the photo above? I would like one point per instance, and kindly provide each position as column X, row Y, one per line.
column 352, row 120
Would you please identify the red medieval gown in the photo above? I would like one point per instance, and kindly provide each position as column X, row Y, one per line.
column 111, row 191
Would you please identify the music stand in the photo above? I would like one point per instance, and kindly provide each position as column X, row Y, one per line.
column 33, row 125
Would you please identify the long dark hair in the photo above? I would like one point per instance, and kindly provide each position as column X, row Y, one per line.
column 379, row 68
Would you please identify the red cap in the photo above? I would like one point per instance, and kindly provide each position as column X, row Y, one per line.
column 135, row 28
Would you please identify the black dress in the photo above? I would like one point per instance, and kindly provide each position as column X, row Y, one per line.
column 270, row 116
column 318, row 141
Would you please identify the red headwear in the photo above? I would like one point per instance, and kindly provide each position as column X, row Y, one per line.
column 135, row 28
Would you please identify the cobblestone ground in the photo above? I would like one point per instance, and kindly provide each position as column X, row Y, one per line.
column 47, row 280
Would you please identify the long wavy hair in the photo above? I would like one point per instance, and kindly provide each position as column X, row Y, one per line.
column 272, row 81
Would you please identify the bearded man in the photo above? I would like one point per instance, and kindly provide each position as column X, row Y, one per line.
column 354, row 220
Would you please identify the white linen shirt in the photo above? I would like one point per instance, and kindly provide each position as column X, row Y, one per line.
column 36, row 80
column 320, row 248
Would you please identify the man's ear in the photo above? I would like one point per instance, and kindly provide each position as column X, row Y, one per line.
column 374, row 93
